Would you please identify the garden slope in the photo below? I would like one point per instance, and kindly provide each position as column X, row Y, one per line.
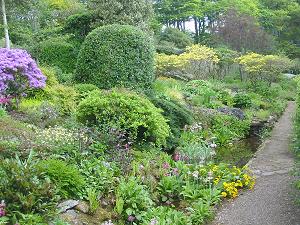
column 271, row 202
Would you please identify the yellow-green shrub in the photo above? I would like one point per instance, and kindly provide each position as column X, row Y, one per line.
column 196, row 62
column 64, row 97
column 264, row 67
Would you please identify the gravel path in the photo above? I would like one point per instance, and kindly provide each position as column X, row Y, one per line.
column 271, row 202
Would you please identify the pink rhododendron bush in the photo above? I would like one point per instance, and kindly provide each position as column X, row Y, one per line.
column 18, row 73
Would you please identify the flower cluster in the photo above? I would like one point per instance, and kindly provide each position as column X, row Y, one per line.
column 18, row 71
column 235, row 179
column 109, row 222
column 231, row 189
column 2, row 208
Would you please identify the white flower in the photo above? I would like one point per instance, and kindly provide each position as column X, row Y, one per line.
column 107, row 223
column 213, row 145
column 210, row 175
column 195, row 174
column 153, row 222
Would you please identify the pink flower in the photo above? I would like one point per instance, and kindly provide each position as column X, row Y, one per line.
column 175, row 171
column 131, row 218
column 176, row 156
column 2, row 208
column 5, row 100
column 166, row 165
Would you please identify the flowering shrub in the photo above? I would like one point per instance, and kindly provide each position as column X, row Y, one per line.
column 196, row 62
column 59, row 140
column 265, row 67
column 232, row 179
column 18, row 72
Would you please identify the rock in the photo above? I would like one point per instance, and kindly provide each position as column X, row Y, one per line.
column 66, row 205
column 71, row 216
column 104, row 203
column 238, row 113
column 82, row 207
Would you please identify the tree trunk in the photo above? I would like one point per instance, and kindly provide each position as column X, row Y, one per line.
column 7, row 41
column 241, row 73
column 196, row 30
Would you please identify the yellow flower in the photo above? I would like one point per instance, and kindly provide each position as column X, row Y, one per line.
column 224, row 194
column 217, row 180
column 215, row 168
column 238, row 183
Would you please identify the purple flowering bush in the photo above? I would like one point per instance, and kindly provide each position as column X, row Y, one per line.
column 18, row 73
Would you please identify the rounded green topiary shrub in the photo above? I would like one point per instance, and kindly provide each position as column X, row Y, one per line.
column 127, row 111
column 116, row 55
column 57, row 52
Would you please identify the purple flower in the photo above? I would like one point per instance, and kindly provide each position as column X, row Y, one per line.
column 18, row 71
column 131, row 218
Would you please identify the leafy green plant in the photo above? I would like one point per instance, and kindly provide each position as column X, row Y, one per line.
column 200, row 212
column 126, row 111
column 169, row 188
column 197, row 152
column 30, row 218
column 241, row 100
column 177, row 115
column 92, row 197
column 67, row 178
column 116, row 55
column 263, row 114
column 84, row 89
column 132, row 199
column 98, row 174
column 210, row 196
column 191, row 191
column 200, row 92
column 64, row 97
column 24, row 189
column 228, row 128
column 2, row 112
column 165, row 216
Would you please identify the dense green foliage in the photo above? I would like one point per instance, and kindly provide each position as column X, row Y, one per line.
column 118, row 55
column 24, row 188
column 127, row 111
column 135, row 12
column 175, row 36
column 156, row 155
column 132, row 198
column 177, row 115
column 66, row 177
column 57, row 52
